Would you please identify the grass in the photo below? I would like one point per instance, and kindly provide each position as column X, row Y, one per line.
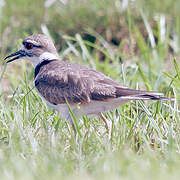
column 145, row 140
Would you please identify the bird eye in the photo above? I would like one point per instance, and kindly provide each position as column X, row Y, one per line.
column 28, row 45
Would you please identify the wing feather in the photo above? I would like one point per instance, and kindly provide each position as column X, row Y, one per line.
column 59, row 81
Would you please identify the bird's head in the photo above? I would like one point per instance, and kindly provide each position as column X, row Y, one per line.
column 36, row 48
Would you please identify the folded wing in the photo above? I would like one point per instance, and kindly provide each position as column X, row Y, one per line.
column 59, row 82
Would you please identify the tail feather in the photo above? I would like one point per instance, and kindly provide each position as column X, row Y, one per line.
column 131, row 94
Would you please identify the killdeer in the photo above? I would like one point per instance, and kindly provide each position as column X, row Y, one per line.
column 87, row 91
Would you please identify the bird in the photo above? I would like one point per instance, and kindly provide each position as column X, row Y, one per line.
column 62, row 84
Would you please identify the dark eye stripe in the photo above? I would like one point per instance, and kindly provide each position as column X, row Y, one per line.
column 37, row 46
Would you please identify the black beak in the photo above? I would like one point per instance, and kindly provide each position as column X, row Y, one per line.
column 19, row 54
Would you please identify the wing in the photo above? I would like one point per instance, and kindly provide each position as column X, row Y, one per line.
column 58, row 87
column 59, row 82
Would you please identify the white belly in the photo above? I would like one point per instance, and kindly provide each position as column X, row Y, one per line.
column 93, row 108
column 96, row 107
column 61, row 108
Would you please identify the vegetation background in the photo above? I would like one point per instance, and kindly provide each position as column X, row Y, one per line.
column 135, row 42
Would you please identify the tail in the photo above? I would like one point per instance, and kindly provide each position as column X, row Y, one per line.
column 131, row 94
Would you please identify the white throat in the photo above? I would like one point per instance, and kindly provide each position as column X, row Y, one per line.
column 47, row 56
column 44, row 56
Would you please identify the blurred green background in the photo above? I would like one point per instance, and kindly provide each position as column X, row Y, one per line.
column 114, row 20
column 135, row 42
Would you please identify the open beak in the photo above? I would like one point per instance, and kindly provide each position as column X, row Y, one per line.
column 19, row 54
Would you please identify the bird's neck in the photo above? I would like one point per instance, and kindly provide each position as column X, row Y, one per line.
column 44, row 56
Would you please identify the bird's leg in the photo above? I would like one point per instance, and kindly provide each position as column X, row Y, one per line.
column 108, row 124
column 105, row 120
